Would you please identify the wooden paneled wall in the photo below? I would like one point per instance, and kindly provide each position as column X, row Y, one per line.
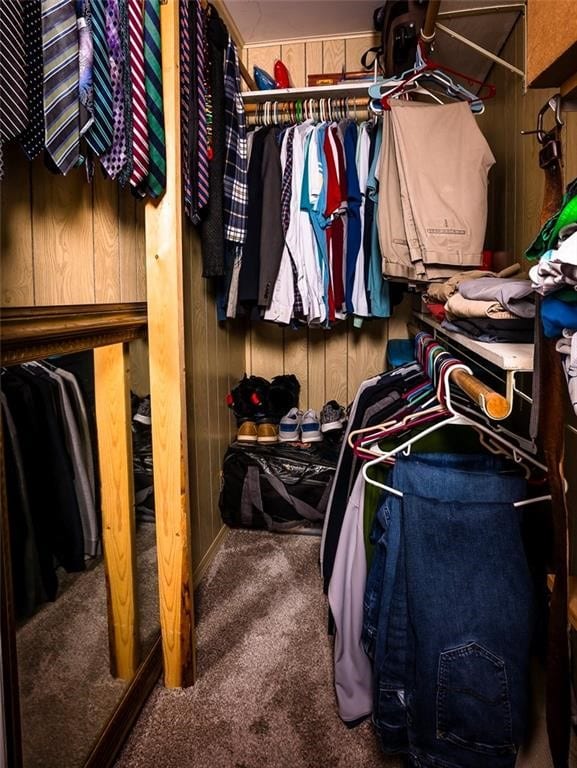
column 65, row 241
column 516, row 181
column 328, row 364
column 215, row 359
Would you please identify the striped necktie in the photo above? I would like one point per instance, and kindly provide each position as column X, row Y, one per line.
column 139, row 114
column 99, row 135
column 32, row 140
column 156, row 181
column 13, row 103
column 185, row 95
column 61, row 84
column 202, row 128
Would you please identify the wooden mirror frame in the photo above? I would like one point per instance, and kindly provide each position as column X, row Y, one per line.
column 28, row 334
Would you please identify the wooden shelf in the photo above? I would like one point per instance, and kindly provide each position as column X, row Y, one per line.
column 320, row 91
column 508, row 357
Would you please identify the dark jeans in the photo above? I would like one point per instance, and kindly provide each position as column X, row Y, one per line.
column 449, row 613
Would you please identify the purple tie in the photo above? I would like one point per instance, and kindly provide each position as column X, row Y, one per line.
column 115, row 160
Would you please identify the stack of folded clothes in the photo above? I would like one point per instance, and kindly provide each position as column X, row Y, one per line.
column 555, row 278
column 487, row 306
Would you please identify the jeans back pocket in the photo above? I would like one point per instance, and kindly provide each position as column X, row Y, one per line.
column 473, row 703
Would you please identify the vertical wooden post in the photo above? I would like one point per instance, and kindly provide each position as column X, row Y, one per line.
column 117, row 499
column 164, row 279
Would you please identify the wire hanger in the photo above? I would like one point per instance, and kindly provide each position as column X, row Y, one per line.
column 455, row 418
column 433, row 72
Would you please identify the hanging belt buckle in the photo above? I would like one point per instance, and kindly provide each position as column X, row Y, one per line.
column 550, row 152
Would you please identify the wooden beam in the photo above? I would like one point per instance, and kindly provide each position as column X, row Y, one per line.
column 164, row 280
column 117, row 499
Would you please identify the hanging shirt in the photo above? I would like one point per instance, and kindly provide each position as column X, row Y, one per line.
column 353, row 236
column 359, row 296
column 378, row 287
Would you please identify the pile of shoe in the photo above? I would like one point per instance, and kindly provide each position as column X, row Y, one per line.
column 310, row 426
column 259, row 404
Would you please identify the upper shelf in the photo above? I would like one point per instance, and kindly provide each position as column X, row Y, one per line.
column 508, row 357
column 341, row 89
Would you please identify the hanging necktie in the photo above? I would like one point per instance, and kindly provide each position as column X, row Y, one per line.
column 32, row 140
column 185, row 96
column 13, row 103
column 202, row 126
column 86, row 56
column 61, row 83
column 99, row 134
column 115, row 159
column 139, row 114
column 156, row 181
column 126, row 172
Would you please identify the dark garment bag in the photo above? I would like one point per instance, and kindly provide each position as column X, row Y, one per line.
column 276, row 487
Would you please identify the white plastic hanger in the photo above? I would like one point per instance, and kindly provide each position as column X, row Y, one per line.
column 457, row 419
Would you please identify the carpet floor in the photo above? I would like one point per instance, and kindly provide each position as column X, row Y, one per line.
column 264, row 697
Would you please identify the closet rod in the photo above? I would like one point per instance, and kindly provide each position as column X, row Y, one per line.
column 355, row 101
column 428, row 30
column 354, row 107
column 494, row 405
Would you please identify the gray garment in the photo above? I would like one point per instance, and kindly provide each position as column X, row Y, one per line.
column 82, row 487
column 352, row 668
column 271, row 232
column 232, row 300
column 550, row 276
column 82, row 419
column 567, row 347
column 511, row 294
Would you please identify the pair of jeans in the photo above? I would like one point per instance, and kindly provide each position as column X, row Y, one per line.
column 449, row 613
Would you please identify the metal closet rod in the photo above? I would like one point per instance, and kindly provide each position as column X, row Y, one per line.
column 353, row 107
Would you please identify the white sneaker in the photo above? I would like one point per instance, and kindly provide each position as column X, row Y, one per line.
column 289, row 427
column 311, row 427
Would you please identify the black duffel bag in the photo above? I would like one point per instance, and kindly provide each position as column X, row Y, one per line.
column 276, row 487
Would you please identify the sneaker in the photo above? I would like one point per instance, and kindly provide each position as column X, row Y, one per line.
column 267, row 432
column 332, row 416
column 143, row 411
column 247, row 432
column 290, row 425
column 310, row 427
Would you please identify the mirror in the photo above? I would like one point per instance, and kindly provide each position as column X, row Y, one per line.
column 67, row 693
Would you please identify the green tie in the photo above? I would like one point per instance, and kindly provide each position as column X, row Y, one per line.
column 156, row 180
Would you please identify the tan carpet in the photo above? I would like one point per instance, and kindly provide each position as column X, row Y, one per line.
column 264, row 697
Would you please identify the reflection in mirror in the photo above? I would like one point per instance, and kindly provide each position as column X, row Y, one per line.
column 66, row 690
column 146, row 565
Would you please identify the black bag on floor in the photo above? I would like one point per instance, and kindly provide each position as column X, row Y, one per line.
column 276, row 487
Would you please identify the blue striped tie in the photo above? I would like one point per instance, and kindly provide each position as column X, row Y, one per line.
column 61, row 84
column 99, row 135
column 156, row 180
